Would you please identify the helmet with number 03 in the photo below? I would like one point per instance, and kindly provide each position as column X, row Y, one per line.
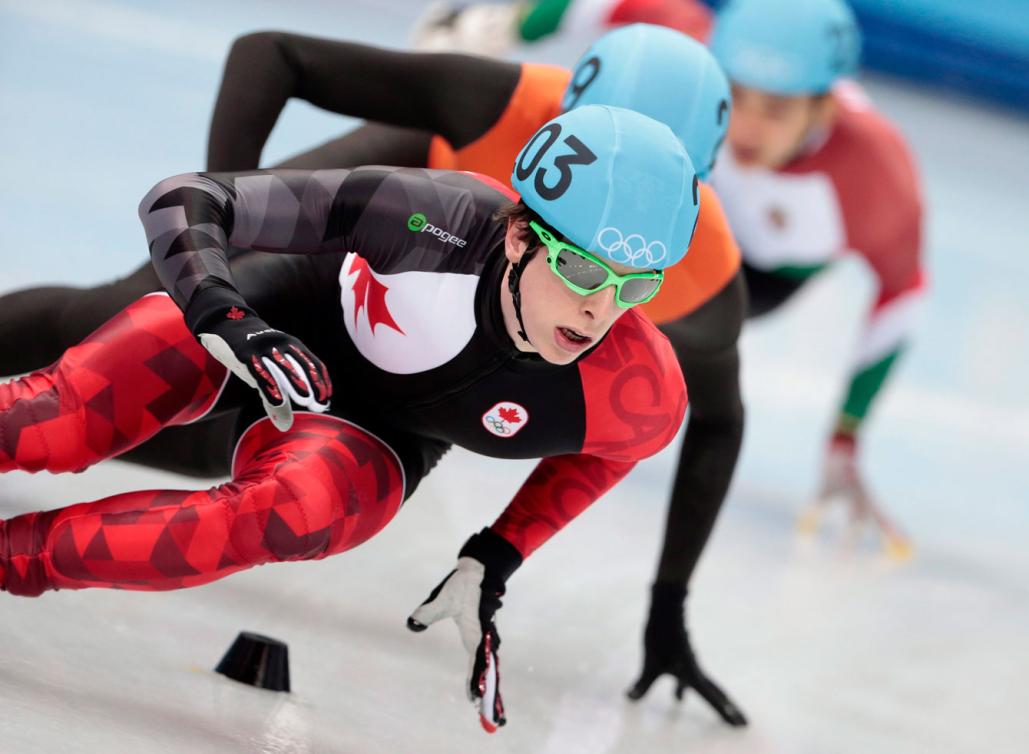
column 663, row 74
column 787, row 47
column 614, row 182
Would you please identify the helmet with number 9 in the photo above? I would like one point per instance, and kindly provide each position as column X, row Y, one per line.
column 663, row 74
column 787, row 47
column 614, row 182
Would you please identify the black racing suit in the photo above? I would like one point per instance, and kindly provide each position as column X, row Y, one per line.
column 407, row 317
column 459, row 97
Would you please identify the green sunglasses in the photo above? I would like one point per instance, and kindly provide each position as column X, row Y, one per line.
column 586, row 273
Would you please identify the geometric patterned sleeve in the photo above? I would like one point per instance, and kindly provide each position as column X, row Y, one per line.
column 635, row 402
column 558, row 490
column 191, row 219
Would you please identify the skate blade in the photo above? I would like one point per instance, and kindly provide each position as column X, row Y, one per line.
column 898, row 549
column 809, row 521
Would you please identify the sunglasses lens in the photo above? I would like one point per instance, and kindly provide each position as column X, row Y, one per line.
column 580, row 271
column 636, row 290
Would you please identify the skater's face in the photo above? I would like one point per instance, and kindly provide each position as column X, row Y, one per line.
column 768, row 130
column 561, row 323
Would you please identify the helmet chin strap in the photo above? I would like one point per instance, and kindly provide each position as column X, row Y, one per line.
column 514, row 278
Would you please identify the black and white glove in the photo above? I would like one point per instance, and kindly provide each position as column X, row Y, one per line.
column 470, row 594
column 666, row 648
column 277, row 365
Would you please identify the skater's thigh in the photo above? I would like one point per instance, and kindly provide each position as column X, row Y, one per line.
column 326, row 478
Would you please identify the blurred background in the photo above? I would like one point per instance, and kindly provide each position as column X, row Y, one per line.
column 828, row 648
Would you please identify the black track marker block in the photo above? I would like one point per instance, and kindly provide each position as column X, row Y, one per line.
column 257, row 661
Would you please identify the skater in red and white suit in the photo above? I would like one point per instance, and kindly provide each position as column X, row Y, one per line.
column 811, row 172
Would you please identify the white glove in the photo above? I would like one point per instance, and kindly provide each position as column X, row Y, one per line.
column 470, row 594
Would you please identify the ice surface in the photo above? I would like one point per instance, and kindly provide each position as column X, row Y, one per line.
column 827, row 650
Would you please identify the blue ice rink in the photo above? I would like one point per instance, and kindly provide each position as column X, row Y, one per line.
column 828, row 649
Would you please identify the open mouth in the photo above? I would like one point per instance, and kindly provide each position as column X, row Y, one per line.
column 572, row 340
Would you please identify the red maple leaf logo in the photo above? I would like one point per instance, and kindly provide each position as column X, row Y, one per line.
column 370, row 294
column 510, row 415
column 235, row 313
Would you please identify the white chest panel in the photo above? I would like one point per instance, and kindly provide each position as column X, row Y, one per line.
column 780, row 219
column 410, row 321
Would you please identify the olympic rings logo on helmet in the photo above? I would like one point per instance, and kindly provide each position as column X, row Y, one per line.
column 630, row 249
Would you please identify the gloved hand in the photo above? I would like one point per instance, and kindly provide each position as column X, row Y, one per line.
column 666, row 649
column 842, row 481
column 470, row 594
column 279, row 366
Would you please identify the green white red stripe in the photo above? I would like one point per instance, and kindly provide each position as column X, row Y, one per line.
column 890, row 326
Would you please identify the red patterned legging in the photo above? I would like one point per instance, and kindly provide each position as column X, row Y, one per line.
column 321, row 488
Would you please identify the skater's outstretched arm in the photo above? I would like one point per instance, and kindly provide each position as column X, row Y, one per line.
column 628, row 419
column 705, row 344
column 888, row 328
column 425, row 91
column 558, row 490
column 887, row 232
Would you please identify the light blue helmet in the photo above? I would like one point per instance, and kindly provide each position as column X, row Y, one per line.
column 663, row 74
column 614, row 182
column 788, row 47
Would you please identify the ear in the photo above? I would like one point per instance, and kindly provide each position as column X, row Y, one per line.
column 514, row 241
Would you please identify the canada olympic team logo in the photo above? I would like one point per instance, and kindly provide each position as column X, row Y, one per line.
column 632, row 250
column 505, row 419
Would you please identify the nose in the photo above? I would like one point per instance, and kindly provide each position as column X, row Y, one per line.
column 600, row 306
column 741, row 128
